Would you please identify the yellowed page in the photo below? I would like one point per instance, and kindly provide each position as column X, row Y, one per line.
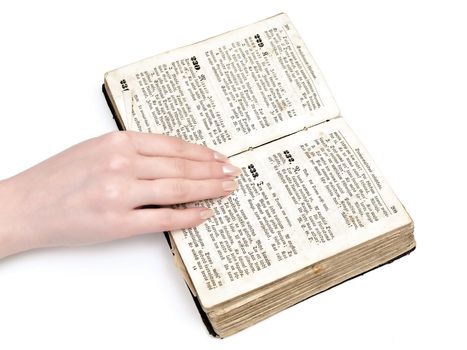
column 301, row 199
column 230, row 92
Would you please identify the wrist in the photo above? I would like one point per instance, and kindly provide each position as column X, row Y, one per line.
column 12, row 234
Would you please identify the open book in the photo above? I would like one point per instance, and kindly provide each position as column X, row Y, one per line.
column 311, row 211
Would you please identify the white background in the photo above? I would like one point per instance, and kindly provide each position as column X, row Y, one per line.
column 398, row 72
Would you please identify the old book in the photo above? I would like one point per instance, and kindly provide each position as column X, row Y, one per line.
column 312, row 209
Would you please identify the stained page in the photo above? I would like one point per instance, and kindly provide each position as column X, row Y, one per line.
column 301, row 199
column 230, row 92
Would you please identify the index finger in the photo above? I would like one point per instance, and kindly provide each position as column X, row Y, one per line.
column 152, row 144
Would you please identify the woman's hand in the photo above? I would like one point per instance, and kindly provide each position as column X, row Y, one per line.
column 94, row 191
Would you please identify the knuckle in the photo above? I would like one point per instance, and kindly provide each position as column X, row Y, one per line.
column 104, row 196
column 112, row 190
column 179, row 191
column 167, row 220
column 112, row 220
column 180, row 166
column 118, row 138
column 179, row 146
column 117, row 162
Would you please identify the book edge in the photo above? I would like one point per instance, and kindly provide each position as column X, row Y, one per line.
column 203, row 314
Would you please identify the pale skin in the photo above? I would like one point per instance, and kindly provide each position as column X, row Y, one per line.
column 93, row 192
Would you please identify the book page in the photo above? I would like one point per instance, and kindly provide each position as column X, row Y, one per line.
column 300, row 199
column 231, row 92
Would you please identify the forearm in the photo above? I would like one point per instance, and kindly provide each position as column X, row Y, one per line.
column 8, row 236
column 14, row 237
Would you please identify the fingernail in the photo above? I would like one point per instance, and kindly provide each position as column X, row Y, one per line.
column 220, row 157
column 230, row 169
column 229, row 185
column 206, row 214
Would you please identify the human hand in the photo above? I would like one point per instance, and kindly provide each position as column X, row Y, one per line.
column 93, row 192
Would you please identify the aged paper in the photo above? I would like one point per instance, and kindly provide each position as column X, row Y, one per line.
column 301, row 199
column 231, row 92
